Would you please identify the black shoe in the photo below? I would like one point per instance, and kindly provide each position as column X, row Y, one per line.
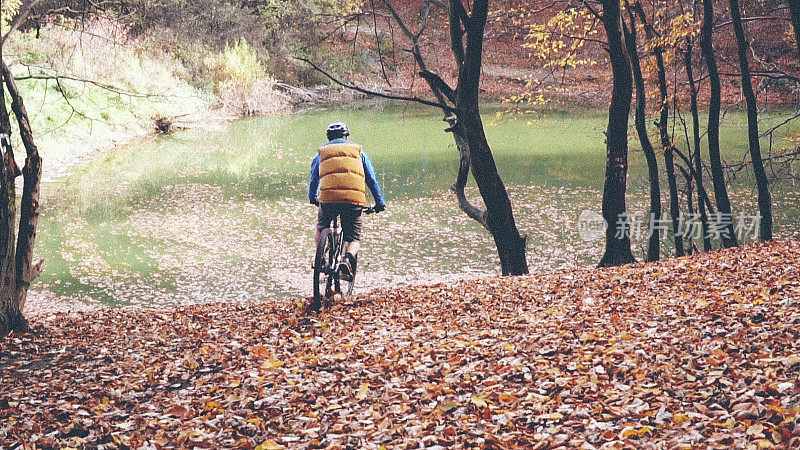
column 348, row 268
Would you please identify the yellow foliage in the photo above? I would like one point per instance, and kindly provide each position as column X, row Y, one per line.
column 559, row 41
column 8, row 9
column 240, row 62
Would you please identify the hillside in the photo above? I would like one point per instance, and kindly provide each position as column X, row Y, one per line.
column 509, row 67
column 691, row 351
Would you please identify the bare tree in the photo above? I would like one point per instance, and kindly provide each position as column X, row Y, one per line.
column 764, row 200
column 618, row 241
column 698, row 164
column 640, row 116
column 714, row 107
column 462, row 112
column 17, row 266
column 794, row 10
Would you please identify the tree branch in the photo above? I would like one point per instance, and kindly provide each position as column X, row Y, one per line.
column 456, row 33
column 688, row 163
column 21, row 17
column 378, row 45
column 440, row 84
column 107, row 87
column 592, row 10
column 774, row 75
column 421, row 101
column 775, row 128
column 473, row 212
column 752, row 19
column 460, row 12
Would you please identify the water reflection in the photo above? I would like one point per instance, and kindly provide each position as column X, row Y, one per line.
column 208, row 216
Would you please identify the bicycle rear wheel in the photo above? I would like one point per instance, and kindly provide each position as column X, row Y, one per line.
column 323, row 267
column 346, row 287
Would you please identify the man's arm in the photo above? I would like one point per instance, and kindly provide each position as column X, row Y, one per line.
column 372, row 180
column 313, row 184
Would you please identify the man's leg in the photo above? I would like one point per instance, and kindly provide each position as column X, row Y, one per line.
column 351, row 224
column 353, row 247
column 323, row 221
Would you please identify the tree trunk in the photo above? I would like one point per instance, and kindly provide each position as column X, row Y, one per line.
column 475, row 213
column 674, row 206
column 698, row 164
column 25, row 270
column 688, row 177
column 668, row 146
column 653, row 250
column 468, row 133
column 764, row 200
column 444, row 94
column 618, row 242
column 666, row 142
column 499, row 214
column 794, row 10
column 714, row 106
column 11, row 318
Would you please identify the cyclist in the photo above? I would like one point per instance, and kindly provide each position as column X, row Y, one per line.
column 340, row 173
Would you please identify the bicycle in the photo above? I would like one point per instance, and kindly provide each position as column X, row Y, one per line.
column 327, row 264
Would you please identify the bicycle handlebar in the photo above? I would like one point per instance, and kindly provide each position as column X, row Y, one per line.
column 364, row 209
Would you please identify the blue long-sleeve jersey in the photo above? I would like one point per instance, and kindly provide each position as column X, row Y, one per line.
column 369, row 176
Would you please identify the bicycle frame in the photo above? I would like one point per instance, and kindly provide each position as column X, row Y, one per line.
column 338, row 245
column 327, row 263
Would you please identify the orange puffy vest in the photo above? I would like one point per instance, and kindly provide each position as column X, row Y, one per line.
column 341, row 174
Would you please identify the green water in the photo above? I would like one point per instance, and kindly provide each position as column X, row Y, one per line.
column 202, row 216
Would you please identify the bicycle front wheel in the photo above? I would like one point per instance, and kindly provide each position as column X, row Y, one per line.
column 323, row 267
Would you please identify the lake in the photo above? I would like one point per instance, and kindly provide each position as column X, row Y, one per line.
column 201, row 216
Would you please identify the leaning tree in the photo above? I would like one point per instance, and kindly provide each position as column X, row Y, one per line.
column 461, row 107
column 17, row 266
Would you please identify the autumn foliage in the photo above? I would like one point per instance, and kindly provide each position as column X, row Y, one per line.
column 687, row 352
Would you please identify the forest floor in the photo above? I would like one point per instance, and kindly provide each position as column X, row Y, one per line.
column 700, row 351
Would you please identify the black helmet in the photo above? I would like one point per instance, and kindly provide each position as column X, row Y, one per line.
column 337, row 130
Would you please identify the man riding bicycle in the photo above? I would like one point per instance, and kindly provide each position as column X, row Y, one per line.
column 340, row 173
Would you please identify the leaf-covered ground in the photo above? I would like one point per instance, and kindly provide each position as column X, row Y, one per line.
column 693, row 352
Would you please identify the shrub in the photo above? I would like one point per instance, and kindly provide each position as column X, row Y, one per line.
column 241, row 82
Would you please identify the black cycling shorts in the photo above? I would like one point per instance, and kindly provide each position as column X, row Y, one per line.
column 350, row 216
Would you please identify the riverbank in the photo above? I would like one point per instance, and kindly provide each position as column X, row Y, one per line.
column 693, row 351
column 207, row 216
column 131, row 226
column 91, row 86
